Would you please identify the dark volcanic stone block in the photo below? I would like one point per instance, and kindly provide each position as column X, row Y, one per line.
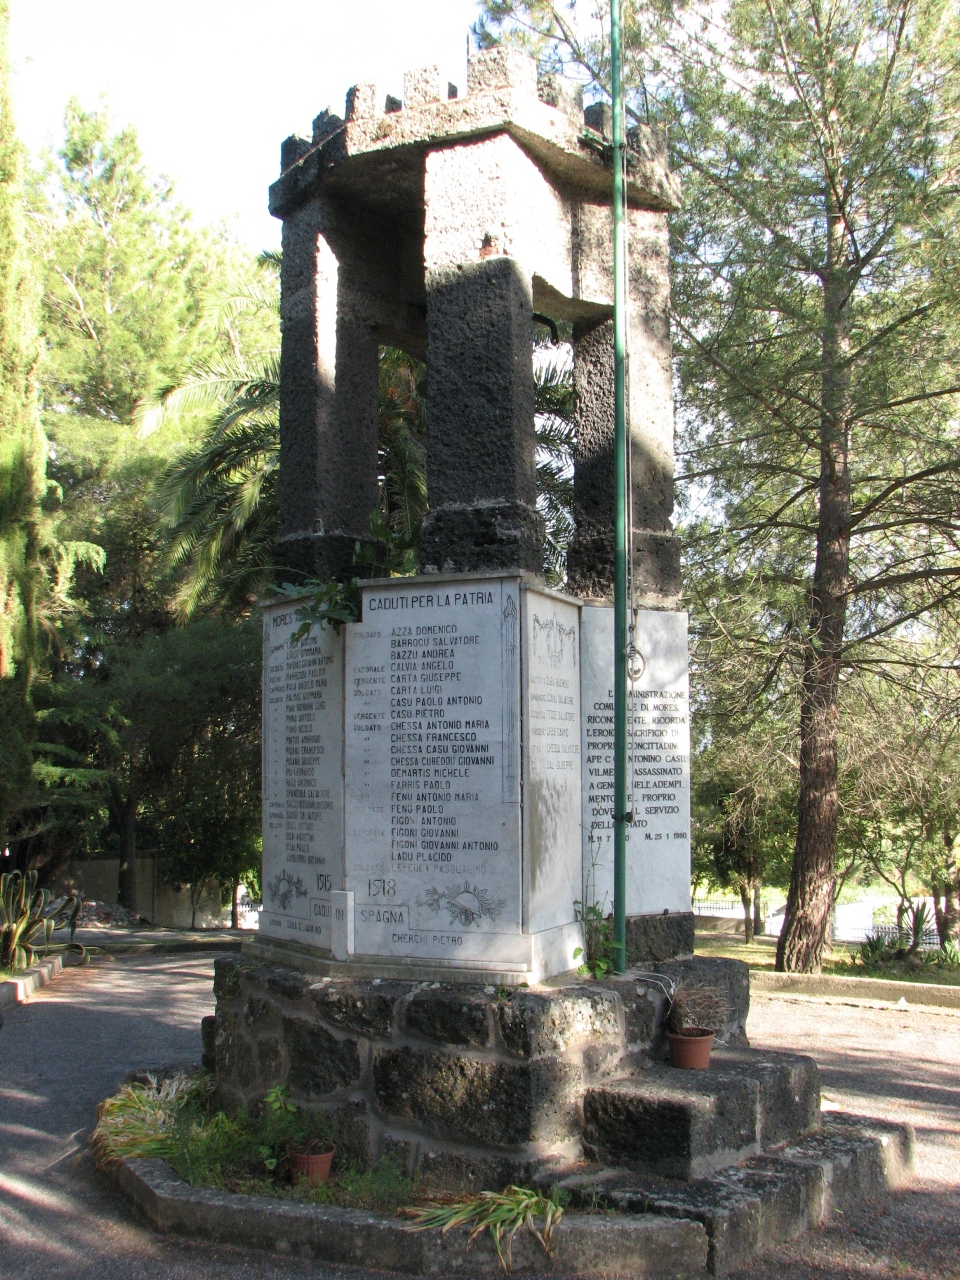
column 466, row 1172
column 745, row 1211
column 861, row 1158
column 288, row 984
column 227, row 976
column 270, row 1059
column 257, row 1013
column 225, row 1037
column 208, row 1036
column 789, row 1090
column 477, row 1100
column 732, row 976
column 681, row 1124
column 355, row 1136
column 365, row 1005
column 534, row 1022
column 449, row 1015
column 319, row 1062
column 661, row 937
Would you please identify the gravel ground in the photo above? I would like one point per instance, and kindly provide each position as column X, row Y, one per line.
column 75, row 1042
column 898, row 1064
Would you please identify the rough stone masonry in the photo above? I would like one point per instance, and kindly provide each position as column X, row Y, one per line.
column 442, row 226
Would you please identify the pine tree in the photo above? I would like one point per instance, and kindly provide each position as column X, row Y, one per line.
column 22, row 464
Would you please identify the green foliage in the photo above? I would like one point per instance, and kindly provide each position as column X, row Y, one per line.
column 323, row 604
column 36, row 565
column 502, row 1213
column 600, row 950
column 26, row 916
column 175, row 1120
column 555, row 434
column 817, row 361
column 124, row 273
column 384, row 1187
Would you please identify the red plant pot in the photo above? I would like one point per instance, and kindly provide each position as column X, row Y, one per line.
column 316, row 1169
column 690, row 1050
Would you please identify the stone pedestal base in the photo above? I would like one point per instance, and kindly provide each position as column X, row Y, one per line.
column 474, row 1085
column 549, row 952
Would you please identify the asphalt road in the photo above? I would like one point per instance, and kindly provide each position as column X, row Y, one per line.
column 76, row 1041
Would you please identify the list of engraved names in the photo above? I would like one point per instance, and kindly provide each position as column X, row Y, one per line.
column 432, row 758
column 302, row 778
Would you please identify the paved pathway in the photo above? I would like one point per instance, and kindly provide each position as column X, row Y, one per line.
column 900, row 1065
column 75, row 1042
column 59, row 1055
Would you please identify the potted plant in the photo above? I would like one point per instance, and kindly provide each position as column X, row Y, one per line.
column 695, row 1014
column 305, row 1139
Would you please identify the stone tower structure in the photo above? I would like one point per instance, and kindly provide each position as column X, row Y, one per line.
column 443, row 226
column 438, row 776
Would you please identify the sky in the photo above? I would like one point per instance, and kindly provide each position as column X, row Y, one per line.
column 213, row 86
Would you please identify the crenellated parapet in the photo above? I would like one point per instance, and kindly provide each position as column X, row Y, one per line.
column 442, row 225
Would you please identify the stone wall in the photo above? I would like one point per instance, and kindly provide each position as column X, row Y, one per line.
column 474, row 1086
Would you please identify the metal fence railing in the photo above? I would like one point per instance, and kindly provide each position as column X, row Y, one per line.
column 890, row 933
column 717, row 907
column 249, row 914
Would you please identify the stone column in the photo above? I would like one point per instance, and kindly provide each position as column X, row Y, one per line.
column 590, row 554
column 656, row 551
column 481, row 467
column 481, row 451
column 328, row 406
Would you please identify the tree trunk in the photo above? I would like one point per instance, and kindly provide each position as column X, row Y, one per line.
column 758, row 921
column 810, row 897
column 945, row 894
column 128, row 853
column 235, row 905
column 747, row 913
column 195, row 892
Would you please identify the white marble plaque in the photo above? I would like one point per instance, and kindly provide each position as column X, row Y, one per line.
column 433, row 760
column 552, row 745
column 658, row 781
column 302, row 778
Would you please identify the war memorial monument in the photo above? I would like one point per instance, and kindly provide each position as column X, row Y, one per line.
column 437, row 774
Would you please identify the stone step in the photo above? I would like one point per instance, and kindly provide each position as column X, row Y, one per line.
column 768, row 1199
column 687, row 1124
column 789, row 1090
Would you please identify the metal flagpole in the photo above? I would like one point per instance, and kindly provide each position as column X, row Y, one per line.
column 620, row 518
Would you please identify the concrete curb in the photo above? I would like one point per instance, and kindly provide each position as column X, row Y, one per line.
column 640, row 1245
column 19, row 990
column 814, row 984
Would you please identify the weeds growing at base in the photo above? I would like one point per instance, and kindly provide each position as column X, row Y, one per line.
column 175, row 1120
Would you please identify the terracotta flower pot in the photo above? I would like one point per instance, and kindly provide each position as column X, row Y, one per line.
column 316, row 1169
column 690, row 1050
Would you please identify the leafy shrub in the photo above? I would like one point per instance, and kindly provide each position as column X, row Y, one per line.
column 173, row 1120
column 599, row 952
column 875, row 951
column 502, row 1213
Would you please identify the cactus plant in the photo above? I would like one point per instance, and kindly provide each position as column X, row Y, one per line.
column 26, row 913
